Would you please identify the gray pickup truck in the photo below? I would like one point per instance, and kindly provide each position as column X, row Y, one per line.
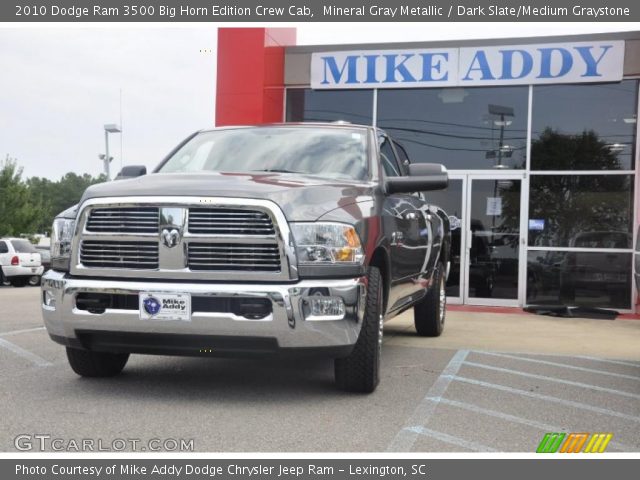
column 276, row 239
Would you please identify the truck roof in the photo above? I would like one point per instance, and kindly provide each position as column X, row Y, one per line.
column 337, row 124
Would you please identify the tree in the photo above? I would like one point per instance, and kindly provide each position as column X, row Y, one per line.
column 29, row 206
column 19, row 211
column 58, row 196
column 571, row 204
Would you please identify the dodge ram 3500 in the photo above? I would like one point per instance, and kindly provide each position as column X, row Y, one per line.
column 288, row 238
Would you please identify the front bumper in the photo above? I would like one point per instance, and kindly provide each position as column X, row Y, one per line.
column 285, row 329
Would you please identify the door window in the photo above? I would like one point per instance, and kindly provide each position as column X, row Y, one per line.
column 388, row 159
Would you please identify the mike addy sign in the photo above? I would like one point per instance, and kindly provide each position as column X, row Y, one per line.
column 473, row 66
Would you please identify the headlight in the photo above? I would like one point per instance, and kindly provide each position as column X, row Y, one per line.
column 322, row 243
column 61, row 235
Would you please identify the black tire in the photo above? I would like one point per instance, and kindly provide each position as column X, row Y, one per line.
column 96, row 364
column 4, row 281
column 360, row 371
column 430, row 313
column 35, row 280
column 19, row 282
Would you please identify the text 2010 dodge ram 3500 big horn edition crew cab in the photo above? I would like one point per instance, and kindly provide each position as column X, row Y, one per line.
column 292, row 238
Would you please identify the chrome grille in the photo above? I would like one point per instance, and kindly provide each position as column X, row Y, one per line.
column 262, row 257
column 123, row 220
column 119, row 254
column 183, row 238
column 229, row 221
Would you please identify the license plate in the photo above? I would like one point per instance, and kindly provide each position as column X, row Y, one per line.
column 165, row 306
column 34, row 270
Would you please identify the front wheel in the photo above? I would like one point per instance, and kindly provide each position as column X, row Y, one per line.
column 429, row 314
column 96, row 364
column 360, row 371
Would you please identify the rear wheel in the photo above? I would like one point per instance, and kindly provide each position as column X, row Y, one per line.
column 19, row 281
column 35, row 280
column 360, row 371
column 96, row 364
column 429, row 314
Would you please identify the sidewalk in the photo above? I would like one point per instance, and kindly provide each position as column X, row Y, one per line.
column 524, row 333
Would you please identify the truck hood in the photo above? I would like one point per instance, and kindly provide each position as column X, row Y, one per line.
column 301, row 197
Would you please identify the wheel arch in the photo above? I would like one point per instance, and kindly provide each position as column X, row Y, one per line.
column 380, row 259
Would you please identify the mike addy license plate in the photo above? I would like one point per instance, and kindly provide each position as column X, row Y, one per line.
column 165, row 306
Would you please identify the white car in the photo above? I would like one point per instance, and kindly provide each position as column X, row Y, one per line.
column 20, row 262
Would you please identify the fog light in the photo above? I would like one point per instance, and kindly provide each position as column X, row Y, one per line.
column 323, row 308
column 48, row 299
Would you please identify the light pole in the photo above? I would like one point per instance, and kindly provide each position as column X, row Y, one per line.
column 108, row 128
column 501, row 112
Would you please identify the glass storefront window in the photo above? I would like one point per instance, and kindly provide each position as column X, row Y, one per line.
column 581, row 211
column 589, row 279
column 306, row 105
column 584, row 127
column 463, row 128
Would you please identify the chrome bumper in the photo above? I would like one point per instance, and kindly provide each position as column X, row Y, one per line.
column 286, row 327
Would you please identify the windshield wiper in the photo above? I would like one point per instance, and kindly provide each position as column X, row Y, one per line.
column 276, row 170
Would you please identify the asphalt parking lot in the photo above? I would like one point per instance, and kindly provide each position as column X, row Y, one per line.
column 490, row 389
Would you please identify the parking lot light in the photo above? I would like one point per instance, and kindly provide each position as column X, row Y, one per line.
column 108, row 128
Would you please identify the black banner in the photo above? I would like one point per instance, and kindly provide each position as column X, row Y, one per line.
column 343, row 469
column 319, row 11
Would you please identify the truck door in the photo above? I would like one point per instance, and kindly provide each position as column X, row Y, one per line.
column 406, row 227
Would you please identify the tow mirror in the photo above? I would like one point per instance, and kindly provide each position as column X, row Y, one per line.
column 131, row 171
column 422, row 177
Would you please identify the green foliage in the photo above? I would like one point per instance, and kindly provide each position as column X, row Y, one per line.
column 29, row 206
column 18, row 212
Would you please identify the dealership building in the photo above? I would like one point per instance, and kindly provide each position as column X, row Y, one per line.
column 539, row 135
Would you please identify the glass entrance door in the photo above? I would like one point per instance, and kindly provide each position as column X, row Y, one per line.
column 493, row 240
column 487, row 254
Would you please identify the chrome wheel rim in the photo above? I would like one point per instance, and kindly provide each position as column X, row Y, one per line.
column 442, row 300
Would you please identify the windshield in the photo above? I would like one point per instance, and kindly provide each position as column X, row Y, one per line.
column 23, row 246
column 328, row 152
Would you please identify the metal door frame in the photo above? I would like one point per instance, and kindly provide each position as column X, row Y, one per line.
column 466, row 237
column 459, row 300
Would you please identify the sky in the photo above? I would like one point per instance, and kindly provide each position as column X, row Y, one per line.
column 60, row 84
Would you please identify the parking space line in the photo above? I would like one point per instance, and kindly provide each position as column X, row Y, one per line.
column 18, row 332
column 554, row 379
column 548, row 398
column 606, row 360
column 405, row 438
column 21, row 352
column 556, row 364
column 515, row 419
column 444, row 437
